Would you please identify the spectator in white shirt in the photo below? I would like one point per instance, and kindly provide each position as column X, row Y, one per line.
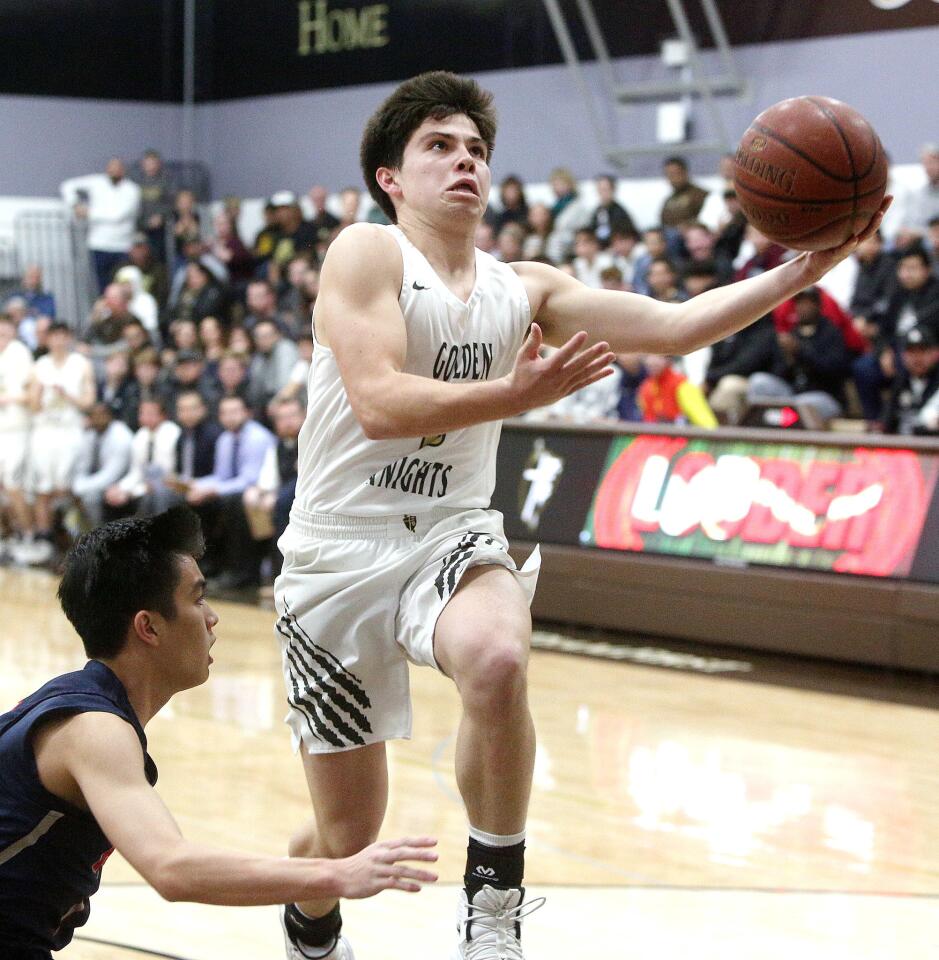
column 626, row 251
column 296, row 387
column 110, row 202
column 142, row 305
column 714, row 214
column 590, row 260
column 596, row 401
column 922, row 204
column 152, row 457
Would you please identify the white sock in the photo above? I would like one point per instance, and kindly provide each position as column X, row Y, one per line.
column 495, row 839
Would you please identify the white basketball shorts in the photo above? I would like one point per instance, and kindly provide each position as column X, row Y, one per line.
column 53, row 455
column 360, row 597
column 13, row 447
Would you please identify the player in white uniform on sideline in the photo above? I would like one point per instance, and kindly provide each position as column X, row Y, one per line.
column 62, row 390
column 424, row 345
column 16, row 364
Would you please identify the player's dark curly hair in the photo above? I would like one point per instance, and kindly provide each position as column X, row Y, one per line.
column 123, row 567
column 436, row 95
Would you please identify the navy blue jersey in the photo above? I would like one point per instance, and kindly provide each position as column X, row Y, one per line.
column 51, row 853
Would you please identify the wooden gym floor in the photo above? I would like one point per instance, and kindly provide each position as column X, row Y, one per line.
column 686, row 803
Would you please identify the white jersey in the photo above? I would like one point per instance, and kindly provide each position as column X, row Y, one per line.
column 16, row 364
column 55, row 410
column 342, row 471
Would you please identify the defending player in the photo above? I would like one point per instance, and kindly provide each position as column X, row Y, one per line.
column 424, row 345
column 75, row 777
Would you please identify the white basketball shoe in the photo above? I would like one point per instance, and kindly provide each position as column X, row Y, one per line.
column 490, row 927
column 340, row 950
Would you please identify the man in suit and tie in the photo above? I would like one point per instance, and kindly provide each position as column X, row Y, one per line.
column 103, row 458
column 195, row 448
column 239, row 454
column 153, row 457
column 192, row 453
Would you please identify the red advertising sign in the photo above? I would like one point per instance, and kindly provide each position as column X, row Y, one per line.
column 848, row 510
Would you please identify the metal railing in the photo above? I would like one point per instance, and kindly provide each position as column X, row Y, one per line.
column 694, row 83
column 9, row 268
column 57, row 243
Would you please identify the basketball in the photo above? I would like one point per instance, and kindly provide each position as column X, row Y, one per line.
column 810, row 172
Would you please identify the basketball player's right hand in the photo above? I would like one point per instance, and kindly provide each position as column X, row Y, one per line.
column 819, row 262
column 381, row 867
column 538, row 381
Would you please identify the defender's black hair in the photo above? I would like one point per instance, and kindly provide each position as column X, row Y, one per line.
column 123, row 567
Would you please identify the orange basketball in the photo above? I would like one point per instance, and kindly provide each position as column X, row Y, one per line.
column 810, row 172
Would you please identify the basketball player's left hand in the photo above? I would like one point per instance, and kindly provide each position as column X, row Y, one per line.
column 538, row 381
column 380, row 867
column 818, row 263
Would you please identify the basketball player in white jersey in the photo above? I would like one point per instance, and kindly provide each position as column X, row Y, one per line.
column 16, row 364
column 424, row 345
column 61, row 390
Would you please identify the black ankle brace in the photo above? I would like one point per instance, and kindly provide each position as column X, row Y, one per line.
column 316, row 932
column 500, row 867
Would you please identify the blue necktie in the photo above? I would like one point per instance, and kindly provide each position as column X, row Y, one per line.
column 233, row 472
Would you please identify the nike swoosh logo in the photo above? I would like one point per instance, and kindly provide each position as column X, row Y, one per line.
column 417, row 286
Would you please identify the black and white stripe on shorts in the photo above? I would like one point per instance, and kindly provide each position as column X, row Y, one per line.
column 330, row 698
column 453, row 563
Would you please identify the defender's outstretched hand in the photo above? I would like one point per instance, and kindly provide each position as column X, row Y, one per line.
column 538, row 381
column 821, row 261
column 380, row 867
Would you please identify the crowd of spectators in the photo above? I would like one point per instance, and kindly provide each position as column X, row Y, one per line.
column 869, row 354
column 187, row 381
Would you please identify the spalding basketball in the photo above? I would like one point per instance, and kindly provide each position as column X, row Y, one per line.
column 810, row 173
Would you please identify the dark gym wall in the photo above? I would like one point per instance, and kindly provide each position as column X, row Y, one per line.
column 132, row 49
